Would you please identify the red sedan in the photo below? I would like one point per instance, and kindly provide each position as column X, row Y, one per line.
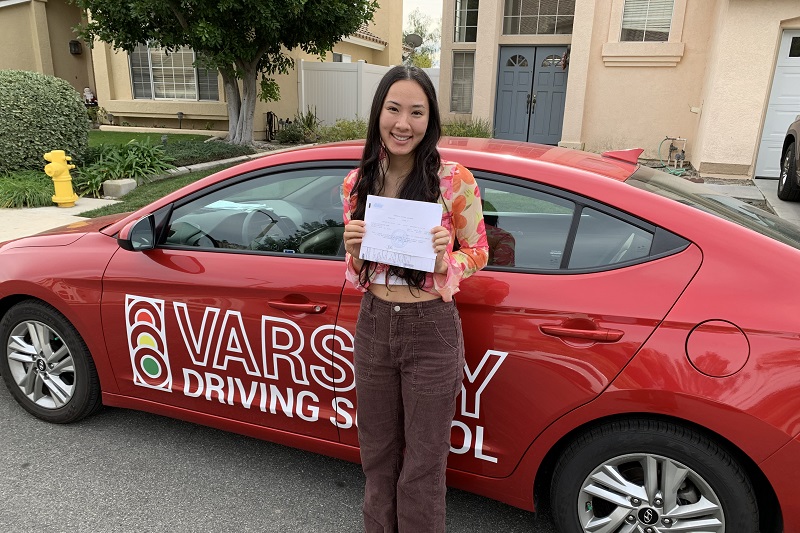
column 632, row 348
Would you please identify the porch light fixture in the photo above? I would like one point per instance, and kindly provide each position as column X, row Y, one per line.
column 75, row 47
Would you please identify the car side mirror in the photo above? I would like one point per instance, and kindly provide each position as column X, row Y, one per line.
column 139, row 235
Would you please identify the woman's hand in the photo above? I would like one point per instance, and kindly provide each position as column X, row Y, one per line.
column 353, row 235
column 441, row 238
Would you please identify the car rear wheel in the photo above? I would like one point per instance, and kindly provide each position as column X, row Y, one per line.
column 788, row 188
column 652, row 477
column 46, row 365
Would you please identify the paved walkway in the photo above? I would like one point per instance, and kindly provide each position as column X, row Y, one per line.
column 15, row 223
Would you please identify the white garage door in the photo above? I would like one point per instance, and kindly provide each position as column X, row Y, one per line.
column 784, row 106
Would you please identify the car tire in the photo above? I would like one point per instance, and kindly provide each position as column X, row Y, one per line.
column 644, row 475
column 46, row 365
column 788, row 188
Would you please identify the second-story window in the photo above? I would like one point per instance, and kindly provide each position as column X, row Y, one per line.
column 466, row 25
column 538, row 17
column 646, row 20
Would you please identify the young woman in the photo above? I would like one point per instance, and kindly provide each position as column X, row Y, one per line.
column 409, row 349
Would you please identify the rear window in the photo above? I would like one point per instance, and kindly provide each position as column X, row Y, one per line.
column 731, row 209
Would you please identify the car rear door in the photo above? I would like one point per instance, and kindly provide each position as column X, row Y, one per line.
column 572, row 291
column 228, row 315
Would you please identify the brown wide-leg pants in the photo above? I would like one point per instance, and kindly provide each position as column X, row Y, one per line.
column 409, row 362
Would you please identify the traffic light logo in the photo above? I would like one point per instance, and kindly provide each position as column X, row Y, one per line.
column 147, row 342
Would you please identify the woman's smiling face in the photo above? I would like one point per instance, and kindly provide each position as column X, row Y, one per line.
column 404, row 118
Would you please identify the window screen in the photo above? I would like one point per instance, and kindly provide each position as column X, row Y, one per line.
column 461, row 92
column 466, row 21
column 158, row 74
column 538, row 17
column 646, row 20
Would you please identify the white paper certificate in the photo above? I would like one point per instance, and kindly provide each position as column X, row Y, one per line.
column 398, row 232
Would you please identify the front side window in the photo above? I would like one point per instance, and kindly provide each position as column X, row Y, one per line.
column 156, row 74
column 466, row 21
column 646, row 20
column 538, row 17
column 293, row 212
column 461, row 92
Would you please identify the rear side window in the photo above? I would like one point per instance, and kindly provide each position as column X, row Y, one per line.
column 536, row 228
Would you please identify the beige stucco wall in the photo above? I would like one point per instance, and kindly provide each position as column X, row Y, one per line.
column 34, row 36
column 16, row 38
column 735, row 98
column 76, row 69
column 115, row 95
column 637, row 106
column 710, row 83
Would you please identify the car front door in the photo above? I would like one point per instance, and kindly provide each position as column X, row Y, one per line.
column 229, row 314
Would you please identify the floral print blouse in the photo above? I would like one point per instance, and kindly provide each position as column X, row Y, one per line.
column 462, row 215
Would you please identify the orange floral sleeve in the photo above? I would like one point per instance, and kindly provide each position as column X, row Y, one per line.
column 462, row 201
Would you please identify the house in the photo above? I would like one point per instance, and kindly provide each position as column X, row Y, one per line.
column 614, row 74
column 153, row 89
column 36, row 35
column 150, row 88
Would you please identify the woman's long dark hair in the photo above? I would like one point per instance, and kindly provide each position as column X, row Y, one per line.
column 422, row 183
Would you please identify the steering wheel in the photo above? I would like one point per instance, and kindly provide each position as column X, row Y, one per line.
column 188, row 234
column 259, row 222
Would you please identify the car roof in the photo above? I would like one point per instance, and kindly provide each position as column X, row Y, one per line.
column 491, row 154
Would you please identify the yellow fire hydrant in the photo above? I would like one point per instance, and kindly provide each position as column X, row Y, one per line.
column 58, row 169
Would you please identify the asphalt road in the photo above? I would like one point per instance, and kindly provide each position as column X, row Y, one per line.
column 126, row 471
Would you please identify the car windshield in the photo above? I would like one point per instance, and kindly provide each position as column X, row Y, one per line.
column 731, row 209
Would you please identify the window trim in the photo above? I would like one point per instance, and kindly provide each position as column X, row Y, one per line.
column 668, row 53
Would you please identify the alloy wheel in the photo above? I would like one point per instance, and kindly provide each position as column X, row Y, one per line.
column 646, row 493
column 41, row 364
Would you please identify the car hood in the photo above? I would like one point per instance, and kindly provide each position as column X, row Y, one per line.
column 63, row 235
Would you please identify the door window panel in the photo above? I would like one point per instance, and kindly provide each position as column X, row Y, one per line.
column 294, row 212
column 605, row 240
column 525, row 228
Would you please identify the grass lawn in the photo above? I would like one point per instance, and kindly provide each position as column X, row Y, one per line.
column 97, row 137
column 149, row 192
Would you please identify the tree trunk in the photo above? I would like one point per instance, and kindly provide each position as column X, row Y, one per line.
column 240, row 108
column 233, row 100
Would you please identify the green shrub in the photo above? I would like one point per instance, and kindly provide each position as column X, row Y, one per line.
column 343, row 130
column 477, row 127
column 140, row 161
column 192, row 152
column 291, row 134
column 27, row 188
column 38, row 114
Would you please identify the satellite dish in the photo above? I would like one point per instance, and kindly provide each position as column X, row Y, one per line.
column 413, row 40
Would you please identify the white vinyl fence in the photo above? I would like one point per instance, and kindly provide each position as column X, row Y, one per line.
column 342, row 90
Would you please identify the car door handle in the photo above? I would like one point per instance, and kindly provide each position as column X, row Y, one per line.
column 601, row 335
column 310, row 307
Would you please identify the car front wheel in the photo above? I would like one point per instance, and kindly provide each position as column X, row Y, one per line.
column 46, row 365
column 650, row 476
column 788, row 188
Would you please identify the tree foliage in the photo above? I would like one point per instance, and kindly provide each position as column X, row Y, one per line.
column 420, row 24
column 246, row 40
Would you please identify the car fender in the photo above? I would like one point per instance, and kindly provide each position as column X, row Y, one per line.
column 76, row 294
